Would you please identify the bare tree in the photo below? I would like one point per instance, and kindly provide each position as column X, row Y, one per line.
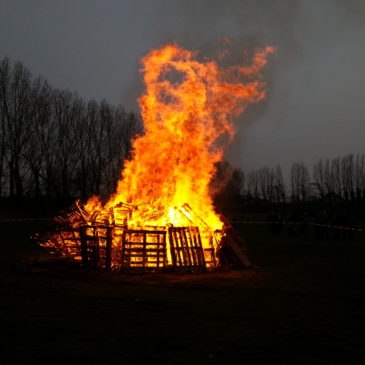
column 300, row 179
column 98, row 129
column 347, row 177
column 37, row 150
column 360, row 177
column 319, row 178
column 66, row 110
column 84, row 130
column 253, row 184
column 279, row 185
column 4, row 115
column 19, row 112
column 236, row 183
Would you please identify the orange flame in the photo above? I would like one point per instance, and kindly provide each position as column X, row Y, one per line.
column 187, row 108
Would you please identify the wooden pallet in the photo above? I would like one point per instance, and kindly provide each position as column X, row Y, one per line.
column 186, row 248
column 96, row 246
column 114, row 247
column 70, row 244
column 143, row 250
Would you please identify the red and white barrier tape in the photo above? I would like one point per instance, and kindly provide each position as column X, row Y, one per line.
column 303, row 223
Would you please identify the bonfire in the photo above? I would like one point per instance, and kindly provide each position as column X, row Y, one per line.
column 162, row 213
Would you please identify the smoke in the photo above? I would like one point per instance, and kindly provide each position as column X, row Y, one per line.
column 314, row 82
column 314, row 104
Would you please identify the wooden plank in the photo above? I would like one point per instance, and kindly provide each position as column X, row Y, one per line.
column 143, row 231
column 84, row 257
column 158, row 253
column 199, row 247
column 164, row 255
column 124, row 258
column 194, row 245
column 177, row 248
column 187, row 252
column 172, row 247
column 190, row 246
column 108, row 249
column 184, row 251
column 160, row 250
column 144, row 248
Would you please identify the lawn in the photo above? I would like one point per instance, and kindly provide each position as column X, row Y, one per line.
column 301, row 305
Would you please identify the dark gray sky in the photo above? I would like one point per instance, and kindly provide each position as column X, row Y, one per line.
column 316, row 80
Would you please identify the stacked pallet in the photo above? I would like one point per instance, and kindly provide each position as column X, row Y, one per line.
column 101, row 241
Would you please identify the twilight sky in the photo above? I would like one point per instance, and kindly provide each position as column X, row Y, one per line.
column 315, row 82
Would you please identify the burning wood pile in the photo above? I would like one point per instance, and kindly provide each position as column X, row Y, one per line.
column 162, row 214
column 105, row 240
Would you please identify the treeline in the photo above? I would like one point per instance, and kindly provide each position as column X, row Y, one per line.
column 337, row 183
column 54, row 144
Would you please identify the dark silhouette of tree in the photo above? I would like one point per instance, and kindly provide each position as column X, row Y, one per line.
column 4, row 91
column 19, row 110
column 55, row 144
column 266, row 184
column 299, row 180
column 35, row 154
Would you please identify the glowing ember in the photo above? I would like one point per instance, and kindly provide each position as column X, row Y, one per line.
column 187, row 108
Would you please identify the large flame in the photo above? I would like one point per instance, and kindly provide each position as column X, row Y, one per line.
column 187, row 109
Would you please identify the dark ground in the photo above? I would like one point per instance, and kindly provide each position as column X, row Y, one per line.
column 302, row 306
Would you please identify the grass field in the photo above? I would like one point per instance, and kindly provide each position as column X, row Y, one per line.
column 302, row 305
